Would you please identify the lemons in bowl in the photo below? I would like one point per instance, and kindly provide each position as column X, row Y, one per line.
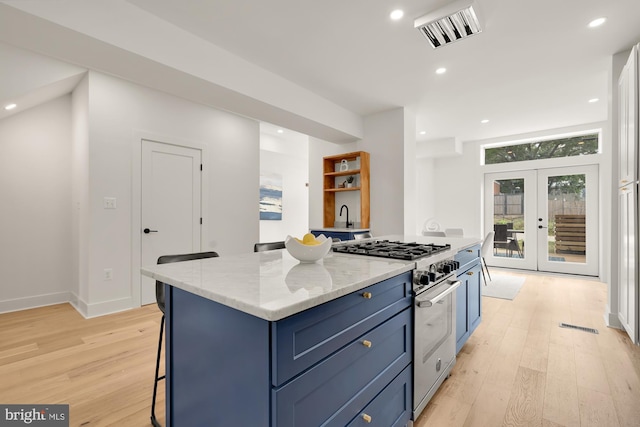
column 308, row 249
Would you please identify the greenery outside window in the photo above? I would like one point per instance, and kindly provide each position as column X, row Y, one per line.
column 579, row 145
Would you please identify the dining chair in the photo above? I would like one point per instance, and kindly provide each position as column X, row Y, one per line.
column 487, row 243
column 269, row 246
column 500, row 239
column 160, row 297
column 503, row 240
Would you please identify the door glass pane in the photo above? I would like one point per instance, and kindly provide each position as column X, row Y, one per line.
column 508, row 218
column 566, row 221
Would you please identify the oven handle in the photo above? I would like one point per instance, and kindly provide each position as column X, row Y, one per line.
column 429, row 302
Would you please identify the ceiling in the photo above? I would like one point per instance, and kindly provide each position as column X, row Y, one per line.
column 534, row 67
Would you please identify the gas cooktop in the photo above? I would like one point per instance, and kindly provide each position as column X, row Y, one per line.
column 389, row 249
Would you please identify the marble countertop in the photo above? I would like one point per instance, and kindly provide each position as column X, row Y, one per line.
column 273, row 285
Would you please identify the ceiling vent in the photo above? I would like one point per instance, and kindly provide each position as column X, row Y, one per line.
column 451, row 23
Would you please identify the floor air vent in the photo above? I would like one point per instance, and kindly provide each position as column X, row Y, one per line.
column 580, row 328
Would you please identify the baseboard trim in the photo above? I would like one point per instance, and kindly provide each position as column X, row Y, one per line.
column 106, row 307
column 18, row 304
column 611, row 319
column 86, row 310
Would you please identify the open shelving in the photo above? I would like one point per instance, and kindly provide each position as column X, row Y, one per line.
column 359, row 161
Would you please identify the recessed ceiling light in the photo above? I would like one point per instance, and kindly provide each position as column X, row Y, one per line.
column 484, row 121
column 597, row 22
column 10, row 106
column 423, row 132
column 280, row 131
column 441, row 70
column 396, row 14
column 592, row 100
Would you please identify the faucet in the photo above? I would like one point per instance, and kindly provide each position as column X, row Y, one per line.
column 345, row 207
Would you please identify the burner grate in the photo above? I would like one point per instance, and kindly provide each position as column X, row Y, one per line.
column 395, row 250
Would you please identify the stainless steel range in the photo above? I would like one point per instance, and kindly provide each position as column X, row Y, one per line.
column 434, row 285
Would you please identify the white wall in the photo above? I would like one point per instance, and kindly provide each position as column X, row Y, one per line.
column 426, row 184
column 384, row 139
column 35, row 189
column 289, row 159
column 119, row 112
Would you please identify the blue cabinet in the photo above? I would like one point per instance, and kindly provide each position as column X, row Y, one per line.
column 342, row 235
column 468, row 296
column 340, row 363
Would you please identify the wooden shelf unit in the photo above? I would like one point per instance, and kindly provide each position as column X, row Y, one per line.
column 331, row 169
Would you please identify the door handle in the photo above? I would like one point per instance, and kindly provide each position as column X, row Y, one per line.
column 147, row 231
column 453, row 285
column 542, row 226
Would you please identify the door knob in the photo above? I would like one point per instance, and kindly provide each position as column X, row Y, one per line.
column 147, row 231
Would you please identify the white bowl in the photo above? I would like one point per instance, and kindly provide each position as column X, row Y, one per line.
column 308, row 253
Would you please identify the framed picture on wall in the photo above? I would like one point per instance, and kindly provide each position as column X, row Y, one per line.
column 270, row 196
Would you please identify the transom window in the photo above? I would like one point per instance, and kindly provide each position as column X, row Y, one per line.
column 576, row 145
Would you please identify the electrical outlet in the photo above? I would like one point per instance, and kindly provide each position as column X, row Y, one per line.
column 108, row 273
column 109, row 202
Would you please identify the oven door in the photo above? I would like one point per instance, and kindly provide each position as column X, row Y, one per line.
column 435, row 342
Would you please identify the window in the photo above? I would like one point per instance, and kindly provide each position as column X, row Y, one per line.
column 577, row 145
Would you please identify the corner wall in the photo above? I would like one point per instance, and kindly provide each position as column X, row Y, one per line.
column 35, row 189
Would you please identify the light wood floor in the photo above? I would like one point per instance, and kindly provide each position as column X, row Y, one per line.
column 518, row 369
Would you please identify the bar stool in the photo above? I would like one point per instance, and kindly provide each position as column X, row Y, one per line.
column 165, row 259
column 261, row 247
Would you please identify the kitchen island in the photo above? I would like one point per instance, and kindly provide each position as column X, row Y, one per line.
column 260, row 339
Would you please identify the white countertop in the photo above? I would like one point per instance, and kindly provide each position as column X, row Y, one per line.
column 273, row 285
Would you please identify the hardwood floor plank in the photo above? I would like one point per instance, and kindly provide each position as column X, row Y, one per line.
column 590, row 372
column 596, row 409
column 445, row 412
column 489, row 408
column 527, row 399
column 504, row 367
column 561, row 403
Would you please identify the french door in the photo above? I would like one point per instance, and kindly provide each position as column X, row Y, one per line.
column 544, row 219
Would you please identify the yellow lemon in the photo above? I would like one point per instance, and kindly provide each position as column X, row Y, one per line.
column 309, row 239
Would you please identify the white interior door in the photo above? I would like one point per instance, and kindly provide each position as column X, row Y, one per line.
column 171, row 205
column 568, row 220
column 548, row 219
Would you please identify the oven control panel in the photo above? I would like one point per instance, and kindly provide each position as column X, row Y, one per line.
column 425, row 278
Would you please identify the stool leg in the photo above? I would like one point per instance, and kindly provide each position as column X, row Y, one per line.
column 486, row 267
column 154, row 421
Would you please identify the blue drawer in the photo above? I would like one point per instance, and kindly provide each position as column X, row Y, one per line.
column 334, row 392
column 468, row 258
column 302, row 340
column 392, row 407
